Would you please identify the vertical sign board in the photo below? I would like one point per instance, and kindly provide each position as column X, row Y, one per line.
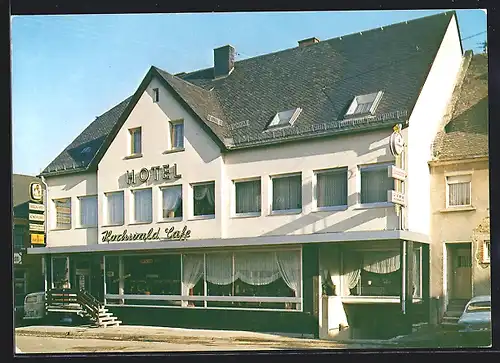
column 36, row 215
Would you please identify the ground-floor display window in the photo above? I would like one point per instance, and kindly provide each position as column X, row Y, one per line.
column 60, row 272
column 246, row 279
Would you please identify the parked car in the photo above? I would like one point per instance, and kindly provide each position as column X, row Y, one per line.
column 34, row 305
column 476, row 316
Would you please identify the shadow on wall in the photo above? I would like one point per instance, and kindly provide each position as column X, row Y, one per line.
column 371, row 143
column 204, row 146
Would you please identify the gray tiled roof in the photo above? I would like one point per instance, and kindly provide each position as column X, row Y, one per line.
column 322, row 79
column 466, row 134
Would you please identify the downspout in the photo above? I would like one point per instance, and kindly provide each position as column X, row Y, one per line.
column 46, row 204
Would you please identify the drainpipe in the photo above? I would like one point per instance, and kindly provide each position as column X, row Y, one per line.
column 46, row 204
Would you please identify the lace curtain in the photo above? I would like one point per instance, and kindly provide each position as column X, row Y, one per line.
column 205, row 191
column 289, row 267
column 351, row 273
column 287, row 193
column 115, row 208
column 332, row 188
column 219, row 268
column 381, row 262
column 374, row 185
column 256, row 268
column 88, row 211
column 171, row 200
column 248, row 196
column 192, row 271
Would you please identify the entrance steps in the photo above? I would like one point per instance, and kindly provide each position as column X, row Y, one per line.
column 106, row 319
column 453, row 312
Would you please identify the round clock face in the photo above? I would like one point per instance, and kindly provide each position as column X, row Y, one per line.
column 396, row 143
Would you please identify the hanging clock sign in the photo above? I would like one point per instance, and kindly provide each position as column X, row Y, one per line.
column 396, row 141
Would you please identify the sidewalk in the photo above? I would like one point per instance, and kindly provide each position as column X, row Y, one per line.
column 193, row 336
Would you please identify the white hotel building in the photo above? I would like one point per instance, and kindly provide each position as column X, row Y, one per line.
column 253, row 195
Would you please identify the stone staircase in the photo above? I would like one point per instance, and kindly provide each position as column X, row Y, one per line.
column 453, row 312
column 106, row 318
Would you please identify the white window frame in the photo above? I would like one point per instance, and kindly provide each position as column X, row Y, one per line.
column 55, row 227
column 173, row 219
column 274, row 124
column 172, row 125
column 354, row 104
column 132, row 132
column 203, row 216
column 133, row 191
column 465, row 176
column 486, row 258
column 271, row 194
column 233, row 206
column 107, row 222
column 315, row 190
column 80, row 225
column 358, row 180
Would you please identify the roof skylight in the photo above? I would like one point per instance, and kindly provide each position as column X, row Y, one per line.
column 86, row 150
column 285, row 118
column 364, row 104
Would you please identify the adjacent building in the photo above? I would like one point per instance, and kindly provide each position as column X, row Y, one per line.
column 254, row 194
column 460, row 257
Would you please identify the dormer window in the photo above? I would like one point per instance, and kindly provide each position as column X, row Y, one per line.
column 363, row 105
column 284, row 118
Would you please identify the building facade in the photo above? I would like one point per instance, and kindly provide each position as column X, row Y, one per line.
column 460, row 192
column 254, row 194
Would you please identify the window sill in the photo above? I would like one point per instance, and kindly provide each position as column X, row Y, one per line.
column 168, row 220
column 139, row 223
column 458, row 209
column 60, row 229
column 172, row 151
column 373, row 205
column 330, row 209
column 247, row 215
column 285, row 212
column 133, row 156
column 113, row 225
column 86, row 227
column 197, row 218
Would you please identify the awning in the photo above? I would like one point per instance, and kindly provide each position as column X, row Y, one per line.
column 368, row 236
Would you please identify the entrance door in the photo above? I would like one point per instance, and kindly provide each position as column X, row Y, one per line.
column 82, row 275
column 462, row 273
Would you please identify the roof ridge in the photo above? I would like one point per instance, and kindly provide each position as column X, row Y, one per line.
column 181, row 79
column 452, row 12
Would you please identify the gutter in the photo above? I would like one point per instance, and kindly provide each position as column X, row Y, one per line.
column 472, row 159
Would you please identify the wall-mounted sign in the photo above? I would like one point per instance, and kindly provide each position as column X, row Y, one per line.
column 36, row 207
column 36, row 192
column 396, row 197
column 171, row 234
column 146, row 261
column 37, row 239
column 396, row 141
column 36, row 217
column 165, row 172
column 18, row 258
column 37, row 227
column 397, row 173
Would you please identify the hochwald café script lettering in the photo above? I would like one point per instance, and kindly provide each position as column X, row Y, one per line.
column 171, row 234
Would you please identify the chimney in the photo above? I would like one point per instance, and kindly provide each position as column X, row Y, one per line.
column 223, row 61
column 308, row 41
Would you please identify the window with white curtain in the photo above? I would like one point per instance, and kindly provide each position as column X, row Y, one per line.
column 143, row 205
column 248, row 196
column 331, row 188
column 63, row 213
column 204, row 199
column 88, row 211
column 177, row 134
column 172, row 202
column 115, row 208
column 287, row 193
column 371, row 273
column 135, row 141
column 459, row 190
column 375, row 182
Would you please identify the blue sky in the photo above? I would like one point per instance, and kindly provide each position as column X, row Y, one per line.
column 66, row 70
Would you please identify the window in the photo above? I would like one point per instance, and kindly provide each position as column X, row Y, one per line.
column 364, row 104
column 375, row 183
column 331, row 188
column 18, row 238
column 486, row 251
column 172, row 202
column 115, row 208
column 285, row 118
column 63, row 213
column 143, row 205
column 60, row 273
column 459, row 191
column 135, row 141
column 177, row 134
column 287, row 193
column 156, row 95
column 88, row 211
column 204, row 199
column 417, row 280
column 247, row 196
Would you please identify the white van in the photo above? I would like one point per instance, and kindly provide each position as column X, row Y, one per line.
column 34, row 305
